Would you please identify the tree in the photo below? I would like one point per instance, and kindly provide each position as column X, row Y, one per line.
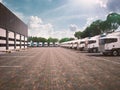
column 70, row 39
column 92, row 30
column 34, row 39
column 98, row 27
column 43, row 40
column 113, row 21
column 78, row 34
column 29, row 39
column 55, row 40
column 65, row 40
column 95, row 28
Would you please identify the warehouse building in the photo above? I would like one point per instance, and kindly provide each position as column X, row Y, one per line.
column 13, row 32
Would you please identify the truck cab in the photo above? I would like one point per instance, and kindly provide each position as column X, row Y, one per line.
column 93, row 44
column 75, row 44
column 110, row 44
column 40, row 44
column 83, row 44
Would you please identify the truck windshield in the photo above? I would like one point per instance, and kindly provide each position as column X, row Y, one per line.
column 108, row 40
column 82, row 42
column 76, row 43
column 91, row 41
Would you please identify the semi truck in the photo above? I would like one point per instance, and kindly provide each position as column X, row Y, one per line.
column 75, row 44
column 93, row 44
column 110, row 44
column 83, row 44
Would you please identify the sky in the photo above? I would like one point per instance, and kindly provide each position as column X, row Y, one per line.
column 60, row 18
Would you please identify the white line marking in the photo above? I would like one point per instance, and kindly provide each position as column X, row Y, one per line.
column 110, row 61
column 10, row 66
column 107, row 60
column 98, row 58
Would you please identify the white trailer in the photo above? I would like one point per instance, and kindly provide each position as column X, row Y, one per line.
column 93, row 44
column 110, row 44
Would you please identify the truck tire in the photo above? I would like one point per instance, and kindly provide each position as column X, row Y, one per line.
column 115, row 53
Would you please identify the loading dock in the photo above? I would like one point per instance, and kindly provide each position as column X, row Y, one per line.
column 13, row 31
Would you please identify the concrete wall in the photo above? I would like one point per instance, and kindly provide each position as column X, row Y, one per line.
column 11, row 22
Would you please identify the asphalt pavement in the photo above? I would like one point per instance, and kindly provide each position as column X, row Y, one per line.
column 55, row 68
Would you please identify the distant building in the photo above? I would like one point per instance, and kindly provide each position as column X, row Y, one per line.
column 13, row 32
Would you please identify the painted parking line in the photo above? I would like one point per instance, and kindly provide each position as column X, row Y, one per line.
column 104, row 59
column 10, row 66
column 110, row 61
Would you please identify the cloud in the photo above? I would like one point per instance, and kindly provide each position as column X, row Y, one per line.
column 63, row 33
column 113, row 5
column 38, row 28
column 88, row 3
column 89, row 20
column 66, row 32
column 102, row 3
column 73, row 27
column 1, row 1
column 35, row 21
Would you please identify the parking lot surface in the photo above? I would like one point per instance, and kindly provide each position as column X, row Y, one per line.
column 55, row 68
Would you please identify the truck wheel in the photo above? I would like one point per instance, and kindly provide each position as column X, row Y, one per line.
column 115, row 53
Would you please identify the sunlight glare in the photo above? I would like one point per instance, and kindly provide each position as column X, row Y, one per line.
column 86, row 3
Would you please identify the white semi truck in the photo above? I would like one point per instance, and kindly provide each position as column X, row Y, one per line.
column 83, row 44
column 75, row 44
column 93, row 44
column 110, row 44
column 40, row 44
column 45, row 44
